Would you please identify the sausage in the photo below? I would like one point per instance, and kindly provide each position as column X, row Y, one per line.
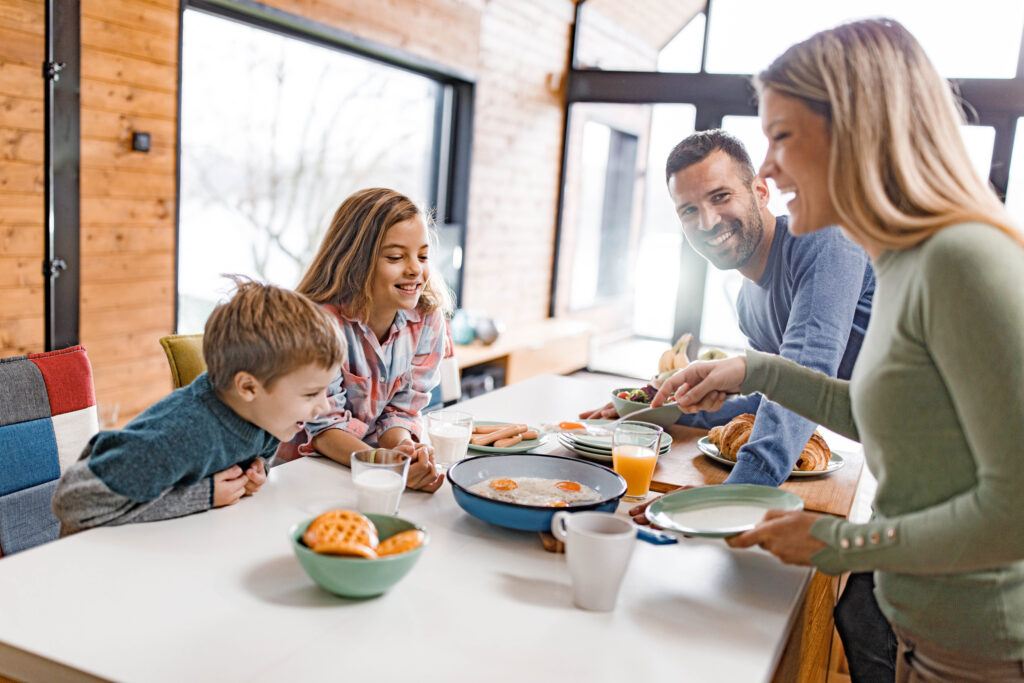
column 529, row 434
column 487, row 429
column 503, row 433
column 505, row 443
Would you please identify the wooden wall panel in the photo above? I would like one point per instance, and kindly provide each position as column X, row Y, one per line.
column 21, row 176
column 129, row 83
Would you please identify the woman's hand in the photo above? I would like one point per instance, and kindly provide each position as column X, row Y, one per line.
column 229, row 486
column 703, row 385
column 423, row 475
column 785, row 534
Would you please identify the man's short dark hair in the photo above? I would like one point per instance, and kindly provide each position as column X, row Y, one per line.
column 696, row 148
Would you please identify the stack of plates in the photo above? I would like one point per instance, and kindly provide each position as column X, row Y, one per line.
column 600, row 447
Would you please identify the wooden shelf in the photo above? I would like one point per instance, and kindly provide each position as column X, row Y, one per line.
column 551, row 346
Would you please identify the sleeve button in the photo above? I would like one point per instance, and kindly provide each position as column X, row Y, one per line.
column 844, row 543
column 858, row 541
column 876, row 537
column 890, row 533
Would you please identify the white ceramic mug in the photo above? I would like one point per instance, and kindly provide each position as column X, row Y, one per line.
column 598, row 546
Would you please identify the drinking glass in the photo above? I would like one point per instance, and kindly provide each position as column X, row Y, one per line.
column 634, row 455
column 449, row 432
column 379, row 475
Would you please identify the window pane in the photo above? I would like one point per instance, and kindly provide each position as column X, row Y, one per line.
column 1015, row 186
column 275, row 133
column 661, row 237
column 979, row 141
column 976, row 40
column 606, row 191
column 641, row 35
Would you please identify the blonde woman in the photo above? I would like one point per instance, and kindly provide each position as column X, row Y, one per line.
column 864, row 132
column 372, row 272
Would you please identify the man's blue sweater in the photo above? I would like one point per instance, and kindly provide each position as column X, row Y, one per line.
column 812, row 306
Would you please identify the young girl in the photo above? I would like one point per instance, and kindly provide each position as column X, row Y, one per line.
column 372, row 272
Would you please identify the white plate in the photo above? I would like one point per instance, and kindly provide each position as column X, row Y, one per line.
column 604, row 443
column 590, row 455
column 596, row 453
column 711, row 450
column 570, row 442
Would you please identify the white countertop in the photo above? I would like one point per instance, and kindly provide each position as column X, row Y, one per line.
column 219, row 596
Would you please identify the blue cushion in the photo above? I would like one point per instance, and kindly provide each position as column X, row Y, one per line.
column 26, row 519
column 28, row 455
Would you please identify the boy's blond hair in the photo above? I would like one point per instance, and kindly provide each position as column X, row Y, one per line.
column 268, row 332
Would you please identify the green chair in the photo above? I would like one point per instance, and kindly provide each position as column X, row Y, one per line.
column 185, row 356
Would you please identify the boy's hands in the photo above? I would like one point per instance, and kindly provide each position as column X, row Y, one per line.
column 257, row 476
column 422, row 473
column 229, row 486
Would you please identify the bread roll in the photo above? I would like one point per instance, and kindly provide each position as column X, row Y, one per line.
column 730, row 437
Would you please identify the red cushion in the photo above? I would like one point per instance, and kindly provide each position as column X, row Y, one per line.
column 68, row 378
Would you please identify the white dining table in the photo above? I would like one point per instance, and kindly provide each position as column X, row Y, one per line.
column 219, row 596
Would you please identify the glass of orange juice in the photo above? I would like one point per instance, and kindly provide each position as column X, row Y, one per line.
column 634, row 455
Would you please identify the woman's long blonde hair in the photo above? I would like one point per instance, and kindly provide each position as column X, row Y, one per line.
column 342, row 271
column 898, row 168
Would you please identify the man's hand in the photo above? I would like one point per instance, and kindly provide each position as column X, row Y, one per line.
column 785, row 534
column 703, row 385
column 256, row 474
column 229, row 486
column 423, row 475
column 605, row 412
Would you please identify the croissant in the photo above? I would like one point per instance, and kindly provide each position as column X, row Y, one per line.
column 730, row 437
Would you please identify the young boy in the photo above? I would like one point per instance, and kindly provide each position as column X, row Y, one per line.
column 270, row 355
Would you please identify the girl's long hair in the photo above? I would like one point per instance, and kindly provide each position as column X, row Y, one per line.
column 342, row 271
column 898, row 167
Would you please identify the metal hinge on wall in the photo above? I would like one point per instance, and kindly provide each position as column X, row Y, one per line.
column 52, row 269
column 51, row 70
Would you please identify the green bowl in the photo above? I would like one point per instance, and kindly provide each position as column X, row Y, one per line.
column 358, row 577
column 664, row 416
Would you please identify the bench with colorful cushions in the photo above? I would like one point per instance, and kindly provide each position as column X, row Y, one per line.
column 47, row 415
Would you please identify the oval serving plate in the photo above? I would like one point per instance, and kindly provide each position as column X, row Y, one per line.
column 709, row 449
column 719, row 511
column 521, row 447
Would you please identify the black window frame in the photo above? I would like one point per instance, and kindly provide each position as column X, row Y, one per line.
column 453, row 127
column 991, row 102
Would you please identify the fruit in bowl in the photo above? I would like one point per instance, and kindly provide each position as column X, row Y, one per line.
column 355, row 555
column 630, row 400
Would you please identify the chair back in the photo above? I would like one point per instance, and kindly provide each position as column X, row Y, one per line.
column 47, row 416
column 185, row 356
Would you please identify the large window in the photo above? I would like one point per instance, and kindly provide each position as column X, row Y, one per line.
column 701, row 56
column 276, row 130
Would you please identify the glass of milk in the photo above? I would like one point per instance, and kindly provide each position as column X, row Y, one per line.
column 449, row 432
column 379, row 475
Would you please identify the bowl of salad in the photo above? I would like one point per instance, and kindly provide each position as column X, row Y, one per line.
column 631, row 399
